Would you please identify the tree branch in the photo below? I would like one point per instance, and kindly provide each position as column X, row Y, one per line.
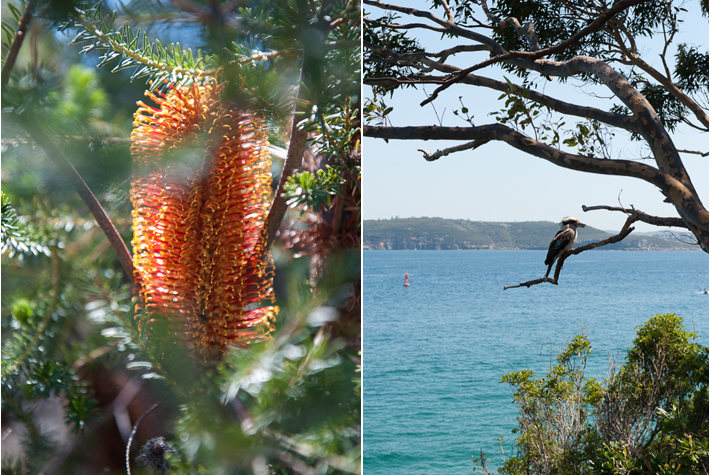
column 625, row 231
column 622, row 121
column 540, row 53
column 311, row 67
column 294, row 156
column 651, row 128
column 666, row 82
column 457, row 49
column 451, row 27
column 458, row 148
column 641, row 216
column 408, row 26
column 17, row 42
column 694, row 152
column 135, row 429
column 670, row 170
column 449, row 15
column 686, row 201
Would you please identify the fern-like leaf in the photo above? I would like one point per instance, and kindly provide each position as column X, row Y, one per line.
column 133, row 49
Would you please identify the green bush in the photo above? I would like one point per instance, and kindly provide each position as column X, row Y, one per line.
column 649, row 416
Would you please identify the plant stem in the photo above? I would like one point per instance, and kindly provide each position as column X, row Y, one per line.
column 296, row 149
column 135, row 429
column 17, row 41
column 102, row 219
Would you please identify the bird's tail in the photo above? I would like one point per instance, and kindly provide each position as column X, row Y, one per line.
column 549, row 268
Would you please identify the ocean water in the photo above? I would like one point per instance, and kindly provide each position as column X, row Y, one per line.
column 434, row 352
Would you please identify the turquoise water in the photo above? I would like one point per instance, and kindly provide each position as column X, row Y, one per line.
column 434, row 352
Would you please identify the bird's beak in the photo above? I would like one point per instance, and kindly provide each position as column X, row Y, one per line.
column 581, row 225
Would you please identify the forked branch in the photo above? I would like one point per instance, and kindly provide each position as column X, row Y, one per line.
column 641, row 216
column 625, row 231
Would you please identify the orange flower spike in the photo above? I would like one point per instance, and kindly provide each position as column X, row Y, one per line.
column 200, row 197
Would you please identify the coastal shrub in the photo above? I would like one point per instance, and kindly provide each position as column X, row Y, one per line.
column 648, row 416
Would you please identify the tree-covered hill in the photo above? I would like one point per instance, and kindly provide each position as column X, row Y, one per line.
column 439, row 233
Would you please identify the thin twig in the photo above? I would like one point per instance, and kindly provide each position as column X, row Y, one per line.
column 135, row 429
column 695, row 152
column 277, row 211
column 641, row 216
column 17, row 40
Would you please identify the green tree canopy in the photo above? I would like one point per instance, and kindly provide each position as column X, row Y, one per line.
column 590, row 46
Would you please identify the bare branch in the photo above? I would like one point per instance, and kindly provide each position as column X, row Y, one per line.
column 641, row 216
column 681, row 196
column 529, row 283
column 458, row 148
column 457, row 49
column 625, row 231
column 408, row 26
column 449, row 15
column 135, row 429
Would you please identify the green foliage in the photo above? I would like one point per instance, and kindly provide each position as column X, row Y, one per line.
column 15, row 238
column 376, row 111
column 650, row 416
column 391, row 39
column 149, row 59
column 691, row 69
column 313, row 189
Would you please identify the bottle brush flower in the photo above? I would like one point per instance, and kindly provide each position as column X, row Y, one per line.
column 200, row 190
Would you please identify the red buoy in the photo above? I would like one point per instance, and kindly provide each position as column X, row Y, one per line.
column 406, row 279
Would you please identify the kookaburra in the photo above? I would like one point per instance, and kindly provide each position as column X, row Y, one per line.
column 563, row 240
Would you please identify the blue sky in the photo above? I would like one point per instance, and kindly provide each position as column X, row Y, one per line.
column 497, row 182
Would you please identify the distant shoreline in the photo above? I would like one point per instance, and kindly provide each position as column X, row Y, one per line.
column 461, row 234
column 536, row 249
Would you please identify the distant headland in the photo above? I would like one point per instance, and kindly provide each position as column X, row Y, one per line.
column 440, row 233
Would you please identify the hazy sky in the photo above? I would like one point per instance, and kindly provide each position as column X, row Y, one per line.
column 497, row 182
